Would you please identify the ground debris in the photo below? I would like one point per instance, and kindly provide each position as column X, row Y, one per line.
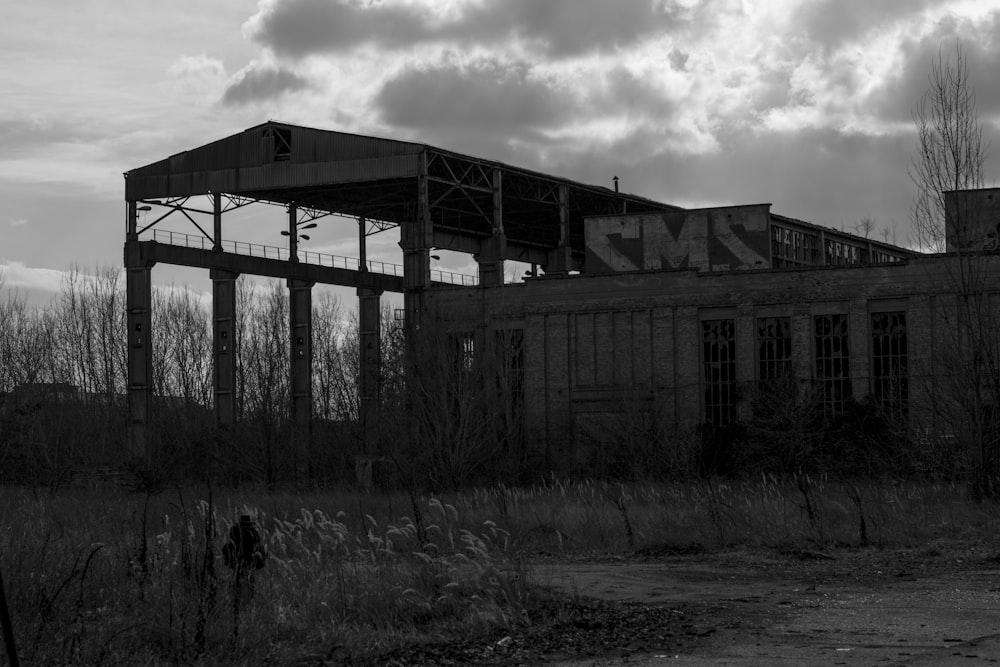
column 565, row 627
column 805, row 554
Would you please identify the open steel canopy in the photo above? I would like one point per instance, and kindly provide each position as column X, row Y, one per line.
column 386, row 181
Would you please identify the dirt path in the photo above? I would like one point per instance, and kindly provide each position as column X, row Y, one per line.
column 858, row 607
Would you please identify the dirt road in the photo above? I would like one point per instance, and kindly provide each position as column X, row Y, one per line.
column 935, row 606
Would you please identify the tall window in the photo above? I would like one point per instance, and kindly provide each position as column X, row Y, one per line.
column 890, row 382
column 774, row 348
column 463, row 346
column 719, row 362
column 510, row 366
column 833, row 375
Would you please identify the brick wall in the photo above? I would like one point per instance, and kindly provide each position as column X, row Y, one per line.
column 597, row 343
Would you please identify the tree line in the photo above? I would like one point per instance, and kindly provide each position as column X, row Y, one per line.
column 448, row 416
column 63, row 376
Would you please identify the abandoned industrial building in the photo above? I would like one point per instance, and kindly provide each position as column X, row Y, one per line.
column 640, row 308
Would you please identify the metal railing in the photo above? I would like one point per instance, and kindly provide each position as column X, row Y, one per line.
column 305, row 256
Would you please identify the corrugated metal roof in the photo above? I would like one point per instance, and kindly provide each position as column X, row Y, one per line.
column 247, row 162
column 377, row 178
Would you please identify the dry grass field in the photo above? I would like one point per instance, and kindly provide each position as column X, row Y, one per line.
column 112, row 577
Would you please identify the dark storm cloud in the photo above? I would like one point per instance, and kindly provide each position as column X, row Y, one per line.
column 301, row 27
column 497, row 110
column 570, row 27
column 262, row 84
column 981, row 44
column 678, row 60
column 823, row 176
column 298, row 28
column 832, row 23
column 485, row 96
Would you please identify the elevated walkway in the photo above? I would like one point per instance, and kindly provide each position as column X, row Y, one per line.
column 272, row 261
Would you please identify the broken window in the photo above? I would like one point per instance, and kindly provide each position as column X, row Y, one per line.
column 463, row 350
column 890, row 381
column 833, row 375
column 719, row 363
column 883, row 258
column 281, row 143
column 792, row 247
column 510, row 379
column 774, row 348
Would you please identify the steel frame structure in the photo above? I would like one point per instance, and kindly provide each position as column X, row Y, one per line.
column 437, row 199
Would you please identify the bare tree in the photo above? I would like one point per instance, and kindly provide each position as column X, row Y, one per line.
column 964, row 386
column 951, row 149
column 865, row 227
column 332, row 371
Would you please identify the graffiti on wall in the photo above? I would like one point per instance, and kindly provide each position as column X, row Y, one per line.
column 709, row 239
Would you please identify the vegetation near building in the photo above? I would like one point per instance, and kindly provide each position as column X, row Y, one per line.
column 647, row 340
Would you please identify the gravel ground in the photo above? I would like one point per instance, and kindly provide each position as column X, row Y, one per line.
column 730, row 606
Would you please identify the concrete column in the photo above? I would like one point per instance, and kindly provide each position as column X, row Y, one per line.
column 859, row 342
column 416, row 239
column 217, row 222
column 663, row 361
column 138, row 288
column 493, row 251
column 131, row 221
column 803, row 349
column 746, row 353
column 370, row 366
column 300, row 329
column 923, row 366
column 224, row 346
column 491, row 261
column 560, row 259
column 688, row 371
column 293, row 233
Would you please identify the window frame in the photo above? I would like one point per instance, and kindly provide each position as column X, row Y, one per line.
column 719, row 400
column 832, row 391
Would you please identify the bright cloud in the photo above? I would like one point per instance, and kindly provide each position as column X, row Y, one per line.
column 16, row 275
column 803, row 103
column 198, row 76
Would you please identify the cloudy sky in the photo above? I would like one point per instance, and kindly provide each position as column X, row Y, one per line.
column 805, row 104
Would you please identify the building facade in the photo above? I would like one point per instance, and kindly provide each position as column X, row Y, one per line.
column 682, row 318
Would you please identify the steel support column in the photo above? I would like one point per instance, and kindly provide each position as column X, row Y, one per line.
column 138, row 329
column 224, row 335
column 415, row 240
column 370, row 356
column 216, row 221
column 138, row 290
column 370, row 367
column 493, row 250
column 300, row 329
column 560, row 260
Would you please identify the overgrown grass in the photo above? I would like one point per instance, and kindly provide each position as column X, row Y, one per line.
column 766, row 511
column 90, row 585
column 102, row 577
